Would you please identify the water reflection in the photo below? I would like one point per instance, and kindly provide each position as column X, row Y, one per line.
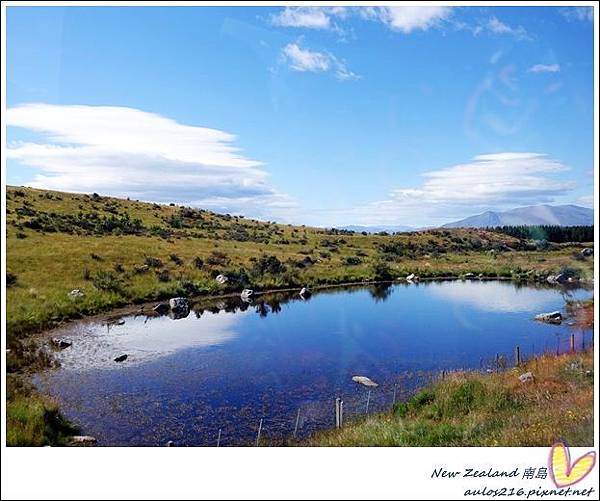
column 230, row 363
column 498, row 296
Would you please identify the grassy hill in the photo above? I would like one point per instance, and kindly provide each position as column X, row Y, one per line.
column 123, row 251
column 120, row 252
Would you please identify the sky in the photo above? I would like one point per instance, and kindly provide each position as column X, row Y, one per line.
column 325, row 116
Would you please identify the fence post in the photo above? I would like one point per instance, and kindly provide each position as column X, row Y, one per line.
column 368, row 400
column 219, row 438
column 517, row 355
column 297, row 421
column 341, row 413
column 337, row 412
column 258, row 434
column 572, row 343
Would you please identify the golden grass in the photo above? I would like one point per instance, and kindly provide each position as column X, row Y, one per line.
column 474, row 409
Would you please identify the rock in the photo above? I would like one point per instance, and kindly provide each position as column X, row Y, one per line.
column 554, row 317
column 469, row 276
column 179, row 305
column 526, row 377
column 170, row 443
column 410, row 277
column 141, row 268
column 586, row 252
column 121, row 358
column 305, row 292
column 247, row 295
column 221, row 279
column 75, row 293
column 60, row 343
column 161, row 308
column 551, row 279
column 560, row 278
column 83, row 439
column 365, row 381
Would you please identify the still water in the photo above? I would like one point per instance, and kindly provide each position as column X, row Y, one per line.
column 284, row 360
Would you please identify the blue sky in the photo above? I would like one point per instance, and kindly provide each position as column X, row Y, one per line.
column 323, row 116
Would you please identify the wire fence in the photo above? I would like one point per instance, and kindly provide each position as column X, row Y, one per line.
column 353, row 402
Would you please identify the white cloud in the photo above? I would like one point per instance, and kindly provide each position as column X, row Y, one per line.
column 545, row 68
column 497, row 27
column 300, row 59
column 407, row 19
column 128, row 152
column 303, row 17
column 578, row 13
column 496, row 181
column 586, row 201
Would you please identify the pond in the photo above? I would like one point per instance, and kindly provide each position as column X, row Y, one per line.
column 284, row 360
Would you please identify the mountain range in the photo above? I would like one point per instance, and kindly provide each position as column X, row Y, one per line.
column 533, row 215
column 559, row 215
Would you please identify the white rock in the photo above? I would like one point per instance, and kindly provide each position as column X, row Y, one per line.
column 526, row 377
column 365, row 381
column 554, row 317
column 221, row 279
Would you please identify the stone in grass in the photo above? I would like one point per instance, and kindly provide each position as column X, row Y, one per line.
column 365, row 381
column 75, row 293
column 526, row 377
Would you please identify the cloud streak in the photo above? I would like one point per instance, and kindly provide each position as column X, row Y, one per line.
column 545, row 68
column 128, row 152
column 494, row 181
column 303, row 60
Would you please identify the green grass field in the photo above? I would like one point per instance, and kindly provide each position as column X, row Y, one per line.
column 120, row 252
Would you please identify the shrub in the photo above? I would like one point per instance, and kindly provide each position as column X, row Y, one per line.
column 381, row 270
column 153, row 262
column 163, row 276
column 176, row 259
column 268, row 264
column 85, row 273
column 352, row 260
column 217, row 258
column 106, row 281
column 96, row 257
column 11, row 279
column 198, row 262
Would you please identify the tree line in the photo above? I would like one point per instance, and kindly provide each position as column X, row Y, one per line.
column 550, row 233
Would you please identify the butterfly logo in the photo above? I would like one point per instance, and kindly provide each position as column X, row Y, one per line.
column 563, row 471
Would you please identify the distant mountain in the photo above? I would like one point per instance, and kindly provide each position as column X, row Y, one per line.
column 377, row 229
column 559, row 215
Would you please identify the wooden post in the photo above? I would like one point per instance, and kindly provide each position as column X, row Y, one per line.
column 572, row 343
column 341, row 413
column 297, row 421
column 258, row 434
column 368, row 400
column 219, row 438
column 517, row 355
column 337, row 412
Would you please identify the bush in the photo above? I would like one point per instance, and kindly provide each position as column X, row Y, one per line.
column 198, row 263
column 268, row 265
column 153, row 262
column 176, row 259
column 163, row 276
column 381, row 270
column 106, row 281
column 217, row 258
column 352, row 260
column 11, row 279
